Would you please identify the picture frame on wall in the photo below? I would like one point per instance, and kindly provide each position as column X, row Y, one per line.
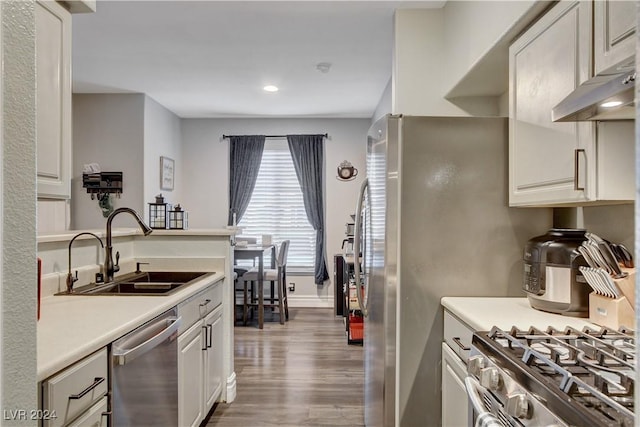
column 167, row 173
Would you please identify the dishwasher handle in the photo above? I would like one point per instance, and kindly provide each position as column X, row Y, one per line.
column 122, row 356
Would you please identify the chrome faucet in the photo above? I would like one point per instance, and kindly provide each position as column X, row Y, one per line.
column 109, row 267
column 70, row 279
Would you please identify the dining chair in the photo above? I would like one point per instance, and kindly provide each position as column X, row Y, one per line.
column 238, row 272
column 277, row 276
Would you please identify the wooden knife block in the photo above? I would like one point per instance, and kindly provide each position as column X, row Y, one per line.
column 628, row 285
column 616, row 312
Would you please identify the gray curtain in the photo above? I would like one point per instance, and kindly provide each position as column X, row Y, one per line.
column 307, row 152
column 245, row 156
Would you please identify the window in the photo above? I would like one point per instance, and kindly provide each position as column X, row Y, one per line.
column 276, row 207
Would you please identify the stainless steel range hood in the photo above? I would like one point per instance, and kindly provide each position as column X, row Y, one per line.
column 608, row 96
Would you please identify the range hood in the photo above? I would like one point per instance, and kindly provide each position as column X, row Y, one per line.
column 608, row 96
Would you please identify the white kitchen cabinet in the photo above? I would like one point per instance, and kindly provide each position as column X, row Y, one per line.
column 614, row 28
column 455, row 352
column 53, row 100
column 213, row 358
column 71, row 395
column 200, row 356
column 190, row 375
column 455, row 408
column 562, row 164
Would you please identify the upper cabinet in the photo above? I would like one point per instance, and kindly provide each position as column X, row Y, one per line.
column 562, row 164
column 614, row 28
column 53, row 100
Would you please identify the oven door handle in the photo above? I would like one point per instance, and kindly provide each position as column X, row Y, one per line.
column 484, row 418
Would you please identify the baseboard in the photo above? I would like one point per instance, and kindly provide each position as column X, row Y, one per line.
column 231, row 388
column 309, row 301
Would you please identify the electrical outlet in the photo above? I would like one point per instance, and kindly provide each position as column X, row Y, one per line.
column 292, row 287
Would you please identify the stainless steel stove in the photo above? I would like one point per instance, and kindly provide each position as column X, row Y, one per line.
column 552, row 377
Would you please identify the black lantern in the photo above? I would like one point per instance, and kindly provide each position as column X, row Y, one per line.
column 178, row 219
column 158, row 213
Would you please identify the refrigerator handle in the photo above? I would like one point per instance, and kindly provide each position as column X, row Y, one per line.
column 356, row 245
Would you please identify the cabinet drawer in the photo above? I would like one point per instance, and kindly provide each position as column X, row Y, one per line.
column 199, row 305
column 457, row 335
column 93, row 417
column 72, row 391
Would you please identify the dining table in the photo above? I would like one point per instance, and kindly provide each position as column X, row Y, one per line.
column 257, row 252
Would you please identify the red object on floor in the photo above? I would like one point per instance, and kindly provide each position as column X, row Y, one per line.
column 356, row 330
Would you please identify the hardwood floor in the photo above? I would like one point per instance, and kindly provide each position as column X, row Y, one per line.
column 299, row 374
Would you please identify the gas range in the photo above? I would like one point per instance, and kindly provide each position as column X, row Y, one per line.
column 552, row 377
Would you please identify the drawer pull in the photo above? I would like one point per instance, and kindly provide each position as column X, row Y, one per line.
column 96, row 382
column 457, row 341
column 203, row 304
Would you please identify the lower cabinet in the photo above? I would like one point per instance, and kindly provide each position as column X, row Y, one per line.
column 76, row 396
column 190, row 376
column 213, row 359
column 455, row 406
column 455, row 351
column 200, row 373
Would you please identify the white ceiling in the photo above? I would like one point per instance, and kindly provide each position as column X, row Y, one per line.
column 212, row 58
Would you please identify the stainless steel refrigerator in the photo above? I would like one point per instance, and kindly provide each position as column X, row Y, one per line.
column 433, row 221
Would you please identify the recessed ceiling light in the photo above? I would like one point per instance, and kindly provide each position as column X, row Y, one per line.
column 270, row 88
column 611, row 104
column 323, row 67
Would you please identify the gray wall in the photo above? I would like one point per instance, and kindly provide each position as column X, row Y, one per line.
column 18, row 202
column 109, row 130
column 162, row 137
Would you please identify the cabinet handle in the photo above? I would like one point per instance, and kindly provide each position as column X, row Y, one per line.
column 204, row 345
column 107, row 414
column 457, row 341
column 210, row 327
column 576, row 169
column 203, row 304
column 96, row 382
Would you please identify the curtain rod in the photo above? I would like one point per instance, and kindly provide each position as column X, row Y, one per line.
column 326, row 135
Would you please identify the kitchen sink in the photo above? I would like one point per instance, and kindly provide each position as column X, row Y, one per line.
column 150, row 283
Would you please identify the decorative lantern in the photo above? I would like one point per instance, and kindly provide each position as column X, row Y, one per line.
column 178, row 219
column 158, row 213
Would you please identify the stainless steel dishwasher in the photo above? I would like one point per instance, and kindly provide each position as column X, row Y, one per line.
column 145, row 374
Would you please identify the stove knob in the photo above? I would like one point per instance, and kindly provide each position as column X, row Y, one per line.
column 475, row 364
column 490, row 378
column 518, row 406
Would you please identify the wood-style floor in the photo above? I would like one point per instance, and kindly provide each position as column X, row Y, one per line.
column 299, row 374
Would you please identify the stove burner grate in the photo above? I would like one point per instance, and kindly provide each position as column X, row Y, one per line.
column 594, row 368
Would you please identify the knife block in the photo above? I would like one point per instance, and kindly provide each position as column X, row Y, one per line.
column 611, row 312
column 627, row 285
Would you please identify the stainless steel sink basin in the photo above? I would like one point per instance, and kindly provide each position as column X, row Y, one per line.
column 151, row 283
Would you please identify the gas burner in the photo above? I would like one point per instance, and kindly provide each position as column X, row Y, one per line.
column 583, row 376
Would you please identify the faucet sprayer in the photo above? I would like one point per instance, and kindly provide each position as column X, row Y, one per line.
column 70, row 279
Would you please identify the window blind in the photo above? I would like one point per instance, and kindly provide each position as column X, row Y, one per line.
column 277, row 208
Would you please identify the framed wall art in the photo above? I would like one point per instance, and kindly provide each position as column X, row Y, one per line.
column 167, row 173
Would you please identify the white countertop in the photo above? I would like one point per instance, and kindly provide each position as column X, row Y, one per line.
column 72, row 327
column 482, row 314
column 67, row 235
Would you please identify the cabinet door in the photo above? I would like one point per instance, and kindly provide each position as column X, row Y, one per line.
column 548, row 161
column 213, row 359
column 53, row 100
column 614, row 26
column 455, row 403
column 190, row 374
